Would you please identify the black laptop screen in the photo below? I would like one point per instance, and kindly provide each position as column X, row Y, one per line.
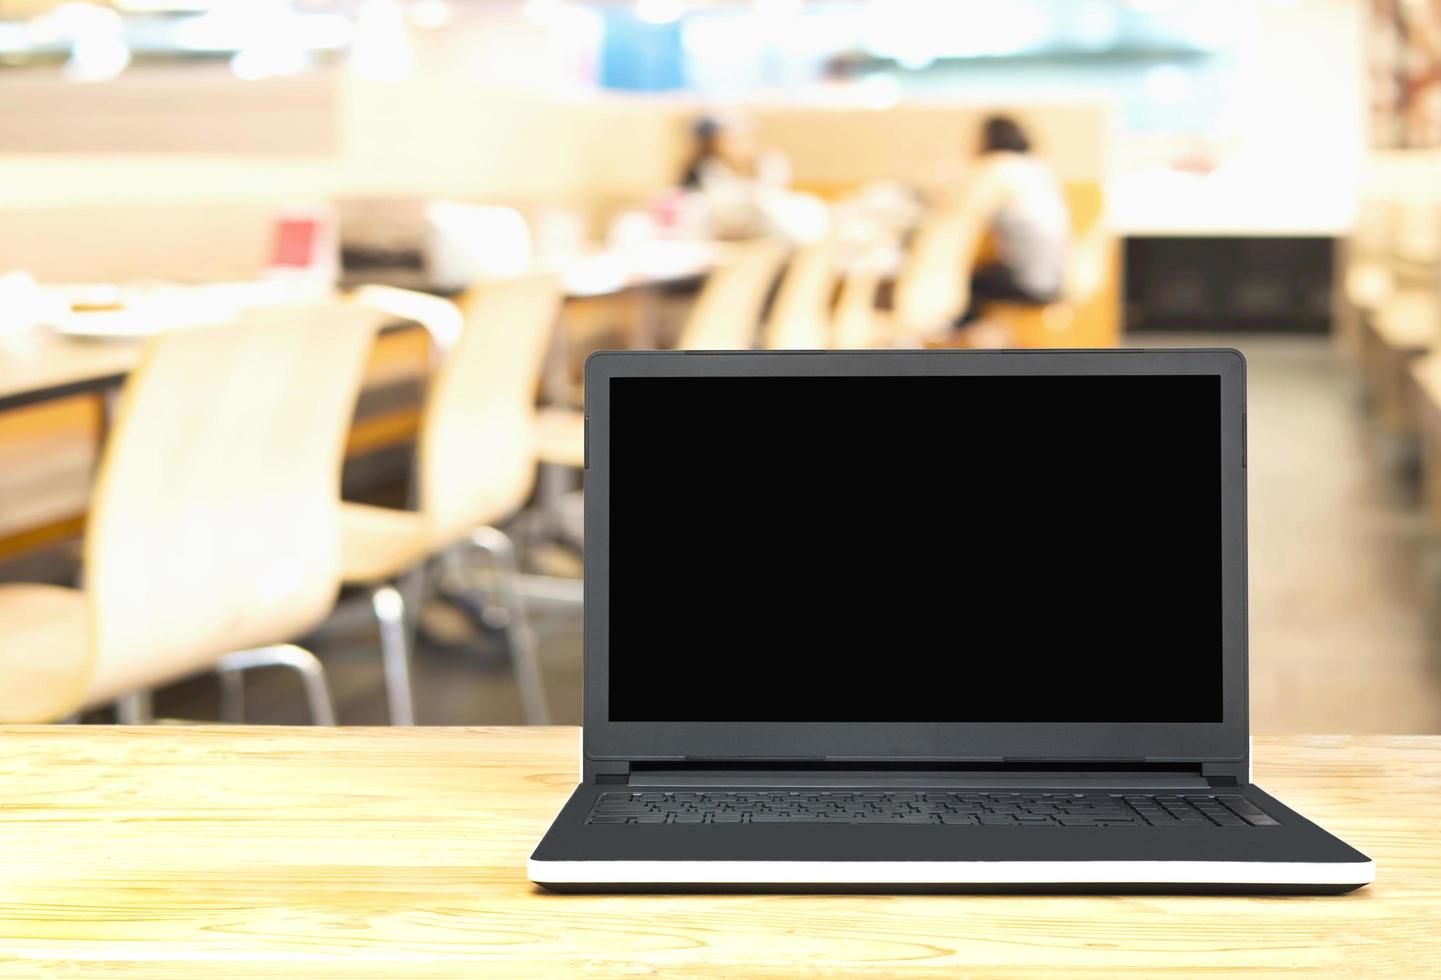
column 923, row 549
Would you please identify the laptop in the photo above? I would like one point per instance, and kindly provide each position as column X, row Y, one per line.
column 921, row 620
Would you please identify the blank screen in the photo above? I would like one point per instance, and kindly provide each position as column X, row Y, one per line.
column 920, row 549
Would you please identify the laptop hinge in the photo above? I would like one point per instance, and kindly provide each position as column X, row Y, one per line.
column 1225, row 773
column 606, row 772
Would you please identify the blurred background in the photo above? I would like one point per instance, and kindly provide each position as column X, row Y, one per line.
column 488, row 190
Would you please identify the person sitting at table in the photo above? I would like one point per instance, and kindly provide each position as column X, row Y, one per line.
column 743, row 188
column 726, row 150
column 1015, row 197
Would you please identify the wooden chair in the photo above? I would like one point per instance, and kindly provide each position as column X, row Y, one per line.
column 800, row 316
column 214, row 526
column 728, row 308
column 1073, row 319
column 476, row 466
column 855, row 325
column 931, row 289
column 1087, row 312
column 724, row 317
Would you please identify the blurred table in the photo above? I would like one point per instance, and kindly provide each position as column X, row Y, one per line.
column 60, row 383
column 43, row 365
column 586, row 274
column 176, row 852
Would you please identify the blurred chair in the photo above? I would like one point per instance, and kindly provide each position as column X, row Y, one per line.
column 724, row 317
column 475, row 467
column 856, row 324
column 932, row 289
column 1071, row 320
column 438, row 316
column 1403, row 329
column 1402, row 323
column 1425, row 385
column 1368, row 278
column 1087, row 312
column 1057, row 324
column 800, row 316
column 728, row 308
column 214, row 526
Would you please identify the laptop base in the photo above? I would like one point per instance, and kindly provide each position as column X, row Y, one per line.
column 1292, row 857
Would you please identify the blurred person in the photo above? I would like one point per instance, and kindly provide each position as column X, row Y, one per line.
column 726, row 150
column 1015, row 197
column 745, row 189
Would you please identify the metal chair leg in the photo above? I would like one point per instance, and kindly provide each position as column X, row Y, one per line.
column 414, row 586
column 389, row 607
column 232, row 696
column 134, row 709
column 303, row 662
column 501, row 551
column 553, row 517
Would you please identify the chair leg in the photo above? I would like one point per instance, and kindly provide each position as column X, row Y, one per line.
column 232, row 695
column 557, row 485
column 303, row 662
column 497, row 545
column 134, row 709
column 389, row 607
column 413, row 586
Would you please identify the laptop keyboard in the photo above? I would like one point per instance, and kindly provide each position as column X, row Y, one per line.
column 952, row 808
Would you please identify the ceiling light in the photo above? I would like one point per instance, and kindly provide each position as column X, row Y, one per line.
column 429, row 14
column 658, row 11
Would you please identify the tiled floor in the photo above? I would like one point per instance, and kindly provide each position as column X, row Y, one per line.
column 1344, row 636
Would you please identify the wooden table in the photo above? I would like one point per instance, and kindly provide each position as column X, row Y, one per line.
column 164, row 852
column 46, row 366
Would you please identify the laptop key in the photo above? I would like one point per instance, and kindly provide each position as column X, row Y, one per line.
column 1249, row 812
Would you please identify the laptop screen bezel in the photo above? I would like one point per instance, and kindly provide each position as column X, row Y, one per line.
column 668, row 741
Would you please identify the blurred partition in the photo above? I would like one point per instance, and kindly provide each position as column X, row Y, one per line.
column 150, row 193
column 836, row 149
column 175, row 173
column 171, row 110
column 191, row 239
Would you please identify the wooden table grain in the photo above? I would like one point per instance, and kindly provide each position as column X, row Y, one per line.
column 167, row 852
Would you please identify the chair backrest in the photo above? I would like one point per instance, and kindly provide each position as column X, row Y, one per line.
column 215, row 520
column 477, row 439
column 800, row 316
column 855, row 324
column 728, row 308
column 438, row 316
column 933, row 285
